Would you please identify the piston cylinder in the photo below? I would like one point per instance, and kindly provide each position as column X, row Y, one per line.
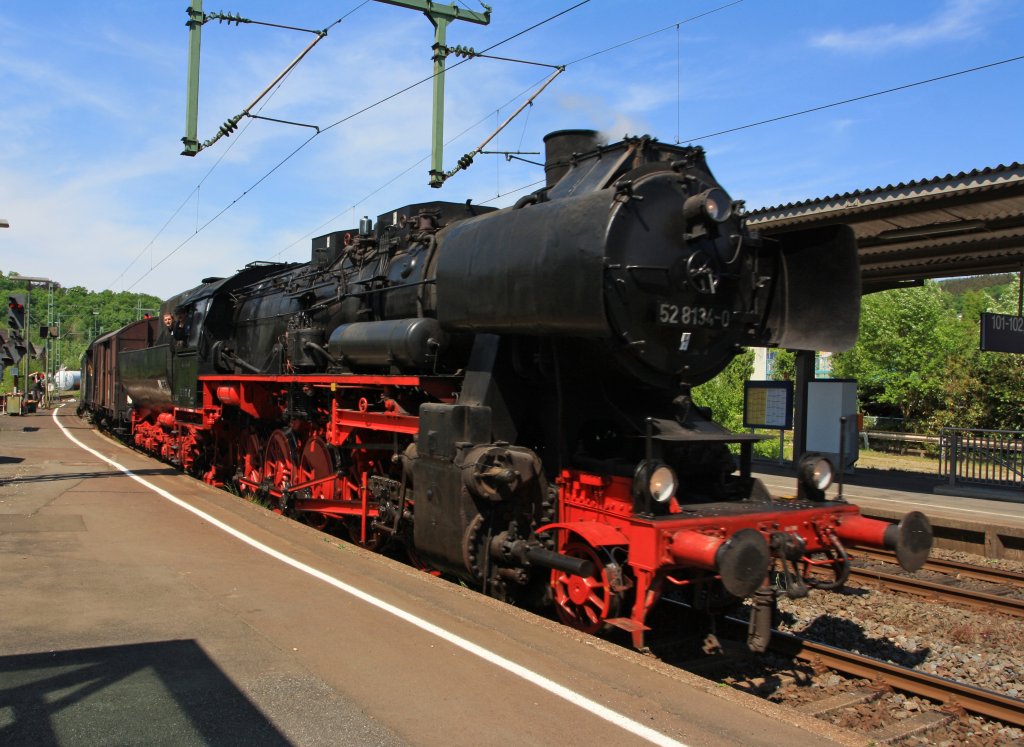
column 741, row 560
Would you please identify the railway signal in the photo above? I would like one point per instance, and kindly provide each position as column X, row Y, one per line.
column 6, row 352
column 14, row 344
column 16, row 313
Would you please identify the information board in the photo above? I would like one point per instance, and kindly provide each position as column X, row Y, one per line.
column 768, row 404
column 1002, row 333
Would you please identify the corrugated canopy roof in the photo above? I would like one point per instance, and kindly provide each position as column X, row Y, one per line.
column 967, row 224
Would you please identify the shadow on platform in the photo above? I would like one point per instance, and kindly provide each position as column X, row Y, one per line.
column 59, row 476
column 168, row 692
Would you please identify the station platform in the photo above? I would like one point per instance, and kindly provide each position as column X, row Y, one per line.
column 148, row 608
column 983, row 521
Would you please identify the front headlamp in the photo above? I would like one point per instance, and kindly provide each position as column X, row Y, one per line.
column 717, row 205
column 712, row 204
column 654, row 482
column 662, row 484
column 815, row 474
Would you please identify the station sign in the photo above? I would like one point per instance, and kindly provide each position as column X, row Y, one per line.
column 1002, row 333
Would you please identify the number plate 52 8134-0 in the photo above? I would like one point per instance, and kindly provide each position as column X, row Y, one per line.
column 675, row 315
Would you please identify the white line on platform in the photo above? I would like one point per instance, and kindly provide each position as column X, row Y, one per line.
column 623, row 722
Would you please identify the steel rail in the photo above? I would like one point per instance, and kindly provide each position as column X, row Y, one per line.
column 911, row 585
column 938, row 565
column 971, row 699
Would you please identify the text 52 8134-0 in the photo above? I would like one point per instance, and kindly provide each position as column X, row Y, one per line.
column 674, row 315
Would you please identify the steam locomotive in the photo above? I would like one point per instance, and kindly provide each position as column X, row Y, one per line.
column 506, row 393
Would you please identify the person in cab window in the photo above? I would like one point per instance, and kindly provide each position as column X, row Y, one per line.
column 180, row 329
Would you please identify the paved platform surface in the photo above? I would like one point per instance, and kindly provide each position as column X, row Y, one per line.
column 964, row 519
column 129, row 619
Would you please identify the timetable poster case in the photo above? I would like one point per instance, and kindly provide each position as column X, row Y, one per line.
column 768, row 404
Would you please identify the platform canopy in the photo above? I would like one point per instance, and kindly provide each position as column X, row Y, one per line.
column 967, row 224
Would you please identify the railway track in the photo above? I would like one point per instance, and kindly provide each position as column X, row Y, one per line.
column 954, row 698
column 958, row 695
column 920, row 587
column 938, row 565
column 932, row 589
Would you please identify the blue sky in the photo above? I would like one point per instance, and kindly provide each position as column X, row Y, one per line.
column 94, row 100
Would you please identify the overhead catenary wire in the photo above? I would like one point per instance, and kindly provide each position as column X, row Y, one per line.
column 512, row 191
column 223, row 210
column 189, row 196
column 482, row 5
column 232, row 123
column 754, row 124
column 195, row 191
column 467, row 159
column 619, row 45
column 341, row 121
column 649, row 34
column 714, row 134
column 449, row 68
column 578, row 60
column 853, row 99
column 405, row 171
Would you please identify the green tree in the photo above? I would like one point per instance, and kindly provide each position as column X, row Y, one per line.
column 783, row 365
column 81, row 315
column 918, row 355
column 724, row 393
column 909, row 339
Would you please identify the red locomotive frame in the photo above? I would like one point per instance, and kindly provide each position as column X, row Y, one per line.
column 632, row 556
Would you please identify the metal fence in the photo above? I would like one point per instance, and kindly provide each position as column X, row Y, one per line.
column 982, row 457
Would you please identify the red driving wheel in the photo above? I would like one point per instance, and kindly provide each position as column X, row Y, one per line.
column 585, row 602
column 280, row 462
column 250, row 458
column 317, row 463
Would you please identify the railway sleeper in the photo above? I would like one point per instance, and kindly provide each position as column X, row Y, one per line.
column 839, row 701
column 897, row 731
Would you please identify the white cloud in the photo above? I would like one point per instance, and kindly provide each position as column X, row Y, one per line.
column 79, row 234
column 842, row 125
column 957, row 20
column 67, row 90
